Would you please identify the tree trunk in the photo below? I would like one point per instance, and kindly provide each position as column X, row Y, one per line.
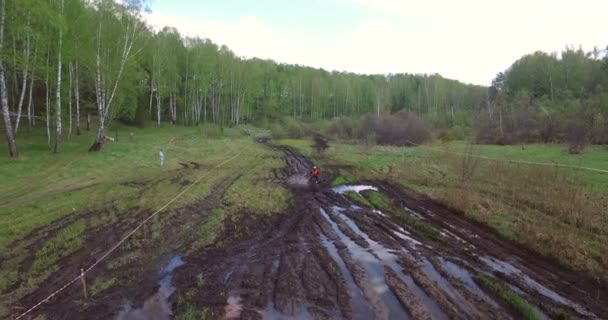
column 77, row 96
column 151, row 97
column 23, row 84
column 158, row 107
column 58, row 92
column 30, row 103
column 48, row 100
column 10, row 138
column 88, row 121
column 71, row 73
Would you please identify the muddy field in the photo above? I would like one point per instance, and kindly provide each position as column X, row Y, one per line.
column 333, row 257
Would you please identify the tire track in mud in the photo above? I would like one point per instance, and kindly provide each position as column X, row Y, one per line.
column 328, row 258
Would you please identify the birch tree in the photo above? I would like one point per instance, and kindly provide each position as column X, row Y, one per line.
column 26, row 55
column 118, row 28
column 58, row 87
column 8, row 130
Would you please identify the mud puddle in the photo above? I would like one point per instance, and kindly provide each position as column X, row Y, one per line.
column 356, row 188
column 513, row 272
column 361, row 308
column 157, row 307
column 374, row 272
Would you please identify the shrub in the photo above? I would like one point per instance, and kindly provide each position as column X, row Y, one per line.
column 400, row 129
column 289, row 128
column 344, row 128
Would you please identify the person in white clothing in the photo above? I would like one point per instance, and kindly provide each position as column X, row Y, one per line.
column 162, row 158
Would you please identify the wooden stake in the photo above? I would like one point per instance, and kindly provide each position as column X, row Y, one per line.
column 84, row 284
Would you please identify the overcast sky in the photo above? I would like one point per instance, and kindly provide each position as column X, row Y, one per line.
column 468, row 40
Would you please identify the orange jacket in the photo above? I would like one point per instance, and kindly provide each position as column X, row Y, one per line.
column 315, row 172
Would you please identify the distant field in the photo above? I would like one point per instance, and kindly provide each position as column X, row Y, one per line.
column 593, row 157
column 559, row 212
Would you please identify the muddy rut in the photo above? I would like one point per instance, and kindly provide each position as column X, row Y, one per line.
column 331, row 258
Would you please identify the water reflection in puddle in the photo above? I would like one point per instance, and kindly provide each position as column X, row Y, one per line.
column 157, row 307
column 360, row 306
column 272, row 313
column 389, row 259
column 510, row 270
column 374, row 271
column 357, row 189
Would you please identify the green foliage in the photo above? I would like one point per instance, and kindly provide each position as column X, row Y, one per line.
column 193, row 313
column 101, row 285
column 344, row 177
column 124, row 260
column 356, row 197
column 546, row 98
column 526, row 310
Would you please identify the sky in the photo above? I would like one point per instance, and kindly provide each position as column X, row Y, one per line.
column 467, row 40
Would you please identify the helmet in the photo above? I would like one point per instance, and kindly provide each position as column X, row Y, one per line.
column 314, row 167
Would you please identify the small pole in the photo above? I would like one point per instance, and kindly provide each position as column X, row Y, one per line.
column 84, row 284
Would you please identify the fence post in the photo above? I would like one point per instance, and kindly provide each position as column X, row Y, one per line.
column 84, row 284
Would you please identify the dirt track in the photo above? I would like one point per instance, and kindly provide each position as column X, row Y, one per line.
column 329, row 259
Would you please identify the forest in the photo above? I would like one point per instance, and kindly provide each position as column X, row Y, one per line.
column 65, row 62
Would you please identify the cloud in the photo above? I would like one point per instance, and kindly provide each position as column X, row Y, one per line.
column 468, row 40
column 248, row 36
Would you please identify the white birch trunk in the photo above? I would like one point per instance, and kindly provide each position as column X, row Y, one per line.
column 71, row 72
column 23, row 83
column 77, row 96
column 10, row 138
column 58, row 92
column 158, row 106
column 151, row 96
column 30, row 104
column 104, row 102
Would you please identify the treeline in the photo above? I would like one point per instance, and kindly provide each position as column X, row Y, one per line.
column 61, row 60
column 548, row 98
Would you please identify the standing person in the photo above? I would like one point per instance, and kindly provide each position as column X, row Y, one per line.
column 162, row 158
column 315, row 174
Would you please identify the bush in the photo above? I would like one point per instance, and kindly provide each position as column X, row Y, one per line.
column 289, row 128
column 344, row 128
column 451, row 134
column 400, row 129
